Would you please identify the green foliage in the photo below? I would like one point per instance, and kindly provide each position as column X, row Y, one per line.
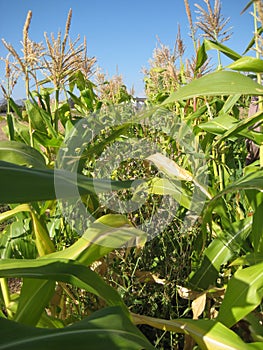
column 109, row 326
column 151, row 212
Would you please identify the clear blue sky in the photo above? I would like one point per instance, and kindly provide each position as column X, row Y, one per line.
column 119, row 33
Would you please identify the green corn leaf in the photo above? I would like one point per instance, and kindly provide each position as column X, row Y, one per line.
column 35, row 295
column 208, row 334
column 247, row 6
column 21, row 154
column 213, row 45
column 10, row 213
column 10, row 123
column 163, row 186
column 257, row 230
column 201, row 57
column 247, row 64
column 109, row 327
column 229, row 104
column 243, row 294
column 105, row 234
column 19, row 184
column 217, row 83
column 15, row 108
column 43, row 242
column 230, row 128
column 63, row 270
column 248, row 259
column 255, row 326
column 16, row 241
column 40, row 119
column 251, row 181
column 108, row 232
column 218, row 253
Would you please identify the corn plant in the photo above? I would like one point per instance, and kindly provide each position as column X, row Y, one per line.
column 201, row 170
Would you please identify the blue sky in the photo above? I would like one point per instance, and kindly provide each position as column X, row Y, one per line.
column 121, row 34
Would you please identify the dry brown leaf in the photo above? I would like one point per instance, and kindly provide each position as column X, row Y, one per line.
column 198, row 305
column 186, row 293
column 148, row 277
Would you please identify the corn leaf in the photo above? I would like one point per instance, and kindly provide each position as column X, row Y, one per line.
column 219, row 252
column 109, row 327
column 210, row 45
column 174, row 171
column 247, row 64
column 108, row 232
column 230, row 128
column 251, row 181
column 243, row 294
column 208, row 334
column 257, row 230
column 217, row 83
column 21, row 154
column 20, row 184
column 248, row 259
column 105, row 234
column 252, row 41
column 35, row 295
column 63, row 270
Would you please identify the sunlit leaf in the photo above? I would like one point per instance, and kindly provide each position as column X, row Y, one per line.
column 243, row 294
column 217, row 83
column 111, row 231
column 21, row 154
column 247, row 64
column 213, row 45
column 208, row 334
column 219, row 251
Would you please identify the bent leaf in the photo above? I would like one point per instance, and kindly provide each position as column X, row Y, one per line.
column 210, row 45
column 20, row 184
column 109, row 232
column 63, row 270
column 229, row 127
column 109, row 327
column 174, row 171
column 217, row 83
column 208, row 334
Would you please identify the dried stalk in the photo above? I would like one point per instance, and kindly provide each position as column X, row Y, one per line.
column 190, row 20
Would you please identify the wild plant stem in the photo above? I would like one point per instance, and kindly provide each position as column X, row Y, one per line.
column 219, row 67
column 6, row 296
column 56, row 114
column 10, row 122
column 29, row 118
column 214, row 163
column 260, row 105
column 256, row 38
